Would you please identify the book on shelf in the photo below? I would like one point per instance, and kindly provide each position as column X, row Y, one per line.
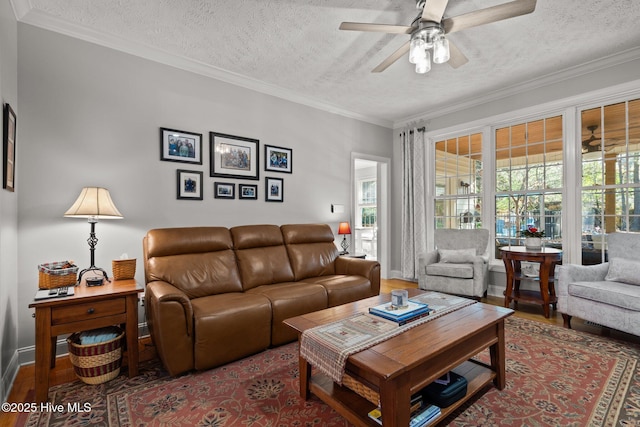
column 388, row 311
column 420, row 418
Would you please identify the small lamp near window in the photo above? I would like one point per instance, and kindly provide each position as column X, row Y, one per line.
column 93, row 203
column 344, row 229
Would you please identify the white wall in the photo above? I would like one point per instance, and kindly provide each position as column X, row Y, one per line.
column 8, row 208
column 91, row 116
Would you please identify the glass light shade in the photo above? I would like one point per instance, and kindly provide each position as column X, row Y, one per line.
column 441, row 52
column 417, row 50
column 94, row 202
column 344, row 228
column 423, row 67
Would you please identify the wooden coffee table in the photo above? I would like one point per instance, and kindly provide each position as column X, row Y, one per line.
column 406, row 363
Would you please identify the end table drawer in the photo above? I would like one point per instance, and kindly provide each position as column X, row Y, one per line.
column 84, row 311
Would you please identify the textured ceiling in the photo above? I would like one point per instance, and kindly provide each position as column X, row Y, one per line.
column 293, row 48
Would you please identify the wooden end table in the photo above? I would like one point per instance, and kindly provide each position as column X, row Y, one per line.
column 114, row 303
column 405, row 364
column 512, row 256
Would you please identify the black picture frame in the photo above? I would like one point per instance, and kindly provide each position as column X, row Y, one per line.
column 224, row 190
column 9, row 149
column 189, row 185
column 180, row 146
column 234, row 156
column 278, row 159
column 248, row 191
column 273, row 189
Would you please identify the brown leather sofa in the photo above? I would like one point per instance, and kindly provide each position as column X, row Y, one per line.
column 214, row 295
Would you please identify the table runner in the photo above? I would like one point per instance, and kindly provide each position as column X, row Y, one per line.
column 327, row 347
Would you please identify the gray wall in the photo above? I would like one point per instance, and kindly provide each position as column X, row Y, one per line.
column 8, row 209
column 90, row 116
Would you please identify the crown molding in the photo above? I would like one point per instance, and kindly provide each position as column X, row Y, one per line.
column 537, row 83
column 25, row 13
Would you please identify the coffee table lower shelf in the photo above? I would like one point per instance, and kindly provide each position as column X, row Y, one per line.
column 356, row 408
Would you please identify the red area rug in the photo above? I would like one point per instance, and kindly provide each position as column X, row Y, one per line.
column 555, row 377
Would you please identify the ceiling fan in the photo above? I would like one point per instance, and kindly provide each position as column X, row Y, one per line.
column 593, row 143
column 429, row 28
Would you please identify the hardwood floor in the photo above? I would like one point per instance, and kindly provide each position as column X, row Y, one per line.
column 23, row 386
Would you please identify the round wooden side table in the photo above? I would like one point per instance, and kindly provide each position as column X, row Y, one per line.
column 512, row 256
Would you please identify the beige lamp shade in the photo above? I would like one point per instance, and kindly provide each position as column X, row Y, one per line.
column 94, row 202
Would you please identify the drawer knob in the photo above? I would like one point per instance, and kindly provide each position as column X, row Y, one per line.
column 90, row 311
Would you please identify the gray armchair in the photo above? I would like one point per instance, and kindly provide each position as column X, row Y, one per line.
column 459, row 265
column 607, row 294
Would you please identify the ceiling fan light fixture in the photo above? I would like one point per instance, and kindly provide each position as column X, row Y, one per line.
column 424, row 66
column 417, row 50
column 441, row 53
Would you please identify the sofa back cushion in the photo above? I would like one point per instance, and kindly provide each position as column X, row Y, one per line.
column 261, row 254
column 311, row 249
column 199, row 261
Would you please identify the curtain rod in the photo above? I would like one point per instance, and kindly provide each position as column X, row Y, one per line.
column 422, row 129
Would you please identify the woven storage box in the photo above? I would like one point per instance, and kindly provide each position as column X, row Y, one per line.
column 123, row 268
column 53, row 275
column 364, row 391
column 96, row 363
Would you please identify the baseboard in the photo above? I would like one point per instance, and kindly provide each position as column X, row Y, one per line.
column 9, row 377
column 27, row 355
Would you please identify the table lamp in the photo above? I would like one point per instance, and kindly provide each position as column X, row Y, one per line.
column 93, row 203
column 344, row 229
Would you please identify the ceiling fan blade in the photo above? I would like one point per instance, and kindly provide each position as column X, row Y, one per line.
column 376, row 28
column 456, row 57
column 391, row 59
column 433, row 10
column 488, row 15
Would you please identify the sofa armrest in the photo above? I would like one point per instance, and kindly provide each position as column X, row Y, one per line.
column 425, row 259
column 360, row 267
column 570, row 273
column 170, row 320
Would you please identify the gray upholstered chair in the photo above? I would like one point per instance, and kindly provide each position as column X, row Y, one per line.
column 607, row 294
column 459, row 265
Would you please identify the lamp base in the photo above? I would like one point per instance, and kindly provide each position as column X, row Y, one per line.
column 92, row 268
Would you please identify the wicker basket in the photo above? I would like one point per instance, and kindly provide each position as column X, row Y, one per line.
column 53, row 275
column 364, row 391
column 123, row 268
column 96, row 363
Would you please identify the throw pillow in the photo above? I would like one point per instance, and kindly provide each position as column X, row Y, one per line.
column 457, row 256
column 624, row 270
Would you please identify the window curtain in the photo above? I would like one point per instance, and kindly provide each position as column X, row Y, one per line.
column 414, row 221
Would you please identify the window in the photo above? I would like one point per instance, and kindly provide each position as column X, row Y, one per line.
column 610, row 175
column 458, row 180
column 529, row 181
column 367, row 206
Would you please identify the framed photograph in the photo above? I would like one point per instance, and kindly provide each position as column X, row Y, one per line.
column 233, row 156
column 273, row 189
column 9, row 149
column 180, row 146
column 277, row 159
column 248, row 191
column 189, row 185
column 224, row 190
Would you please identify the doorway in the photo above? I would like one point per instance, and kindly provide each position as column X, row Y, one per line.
column 370, row 215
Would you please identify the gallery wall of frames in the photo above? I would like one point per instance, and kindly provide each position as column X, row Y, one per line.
column 235, row 164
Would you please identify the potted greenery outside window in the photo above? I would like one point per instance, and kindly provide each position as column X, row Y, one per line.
column 532, row 238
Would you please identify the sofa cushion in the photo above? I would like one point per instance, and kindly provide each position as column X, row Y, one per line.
column 228, row 327
column 311, row 249
column 461, row 271
column 290, row 299
column 457, row 256
column 624, row 270
column 342, row 289
column 607, row 292
column 262, row 256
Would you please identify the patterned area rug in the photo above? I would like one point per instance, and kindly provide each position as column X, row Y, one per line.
column 555, row 377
